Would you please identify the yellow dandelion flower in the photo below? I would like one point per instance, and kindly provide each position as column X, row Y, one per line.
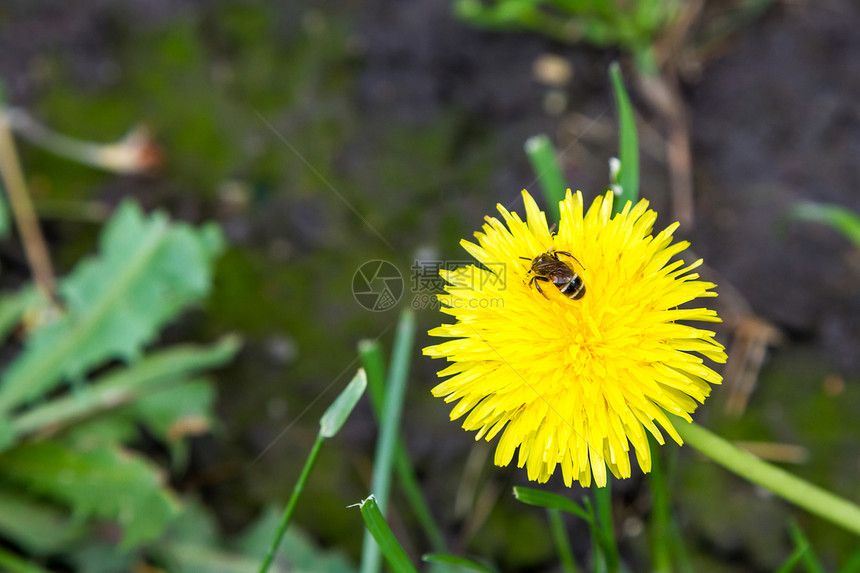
column 575, row 381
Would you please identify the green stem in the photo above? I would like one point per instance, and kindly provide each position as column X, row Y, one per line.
column 294, row 498
column 661, row 514
column 789, row 487
column 545, row 165
column 605, row 527
column 559, row 535
column 597, row 543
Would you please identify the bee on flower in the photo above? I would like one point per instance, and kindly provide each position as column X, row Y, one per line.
column 586, row 352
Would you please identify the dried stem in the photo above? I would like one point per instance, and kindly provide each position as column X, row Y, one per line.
column 35, row 247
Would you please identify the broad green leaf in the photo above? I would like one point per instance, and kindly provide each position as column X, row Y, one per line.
column 148, row 270
column 170, row 414
column 13, row 305
column 336, row 414
column 461, row 563
column 99, row 555
column 193, row 558
column 195, row 525
column 123, row 385
column 391, row 549
column 549, row 500
column 11, row 563
column 36, row 526
column 176, row 413
column 102, row 482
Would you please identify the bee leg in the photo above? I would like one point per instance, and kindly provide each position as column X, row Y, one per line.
column 537, row 286
column 571, row 256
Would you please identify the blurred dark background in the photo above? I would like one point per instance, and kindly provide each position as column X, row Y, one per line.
column 321, row 135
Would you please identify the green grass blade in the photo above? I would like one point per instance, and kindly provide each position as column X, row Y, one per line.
column 389, row 428
column 336, row 414
column 682, row 557
column 373, row 362
column 548, row 172
column 789, row 487
column 415, row 497
column 562, row 542
column 661, row 520
column 385, row 540
column 458, row 562
column 793, row 560
column 550, row 500
column 809, row 558
column 605, row 526
column 628, row 143
column 330, row 423
column 291, row 505
column 843, row 220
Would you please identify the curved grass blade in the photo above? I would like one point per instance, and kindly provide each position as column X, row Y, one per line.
column 336, row 414
column 628, row 142
column 385, row 540
column 545, row 165
column 550, row 500
column 791, row 488
column 843, row 220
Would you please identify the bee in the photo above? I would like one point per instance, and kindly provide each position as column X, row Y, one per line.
column 548, row 268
